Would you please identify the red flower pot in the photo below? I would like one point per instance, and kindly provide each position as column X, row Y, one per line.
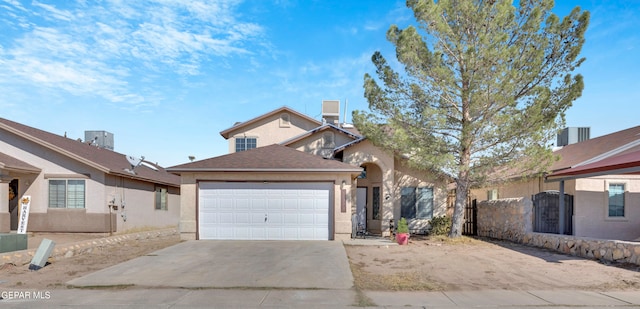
column 402, row 238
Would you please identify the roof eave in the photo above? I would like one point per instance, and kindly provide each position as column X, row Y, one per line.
column 146, row 179
column 225, row 133
column 586, row 174
column 265, row 170
column 54, row 148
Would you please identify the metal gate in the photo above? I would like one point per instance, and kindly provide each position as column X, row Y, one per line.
column 469, row 227
column 546, row 210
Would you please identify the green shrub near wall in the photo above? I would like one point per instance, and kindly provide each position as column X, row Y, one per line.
column 440, row 225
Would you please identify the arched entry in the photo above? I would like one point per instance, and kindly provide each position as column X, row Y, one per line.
column 369, row 198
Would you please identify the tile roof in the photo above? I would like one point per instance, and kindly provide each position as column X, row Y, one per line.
column 102, row 159
column 271, row 158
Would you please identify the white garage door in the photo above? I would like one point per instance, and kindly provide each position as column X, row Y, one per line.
column 269, row 211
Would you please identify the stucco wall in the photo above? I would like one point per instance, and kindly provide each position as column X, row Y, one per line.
column 340, row 221
column 405, row 176
column 520, row 188
column 138, row 198
column 591, row 209
column 269, row 130
column 366, row 153
column 99, row 191
column 395, row 175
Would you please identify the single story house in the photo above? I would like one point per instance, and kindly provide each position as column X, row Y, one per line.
column 321, row 179
column 77, row 186
column 602, row 177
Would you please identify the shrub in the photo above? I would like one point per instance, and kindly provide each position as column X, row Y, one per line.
column 403, row 227
column 440, row 225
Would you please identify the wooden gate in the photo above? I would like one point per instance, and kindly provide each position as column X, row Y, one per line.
column 546, row 210
column 469, row 227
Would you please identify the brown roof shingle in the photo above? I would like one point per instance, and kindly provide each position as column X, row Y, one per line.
column 268, row 158
column 574, row 154
column 9, row 162
column 629, row 162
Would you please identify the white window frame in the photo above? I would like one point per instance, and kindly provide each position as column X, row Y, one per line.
column 415, row 197
column 244, row 139
column 67, row 193
column 625, row 210
column 161, row 198
column 492, row 194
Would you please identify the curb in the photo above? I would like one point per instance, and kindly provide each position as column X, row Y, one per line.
column 67, row 250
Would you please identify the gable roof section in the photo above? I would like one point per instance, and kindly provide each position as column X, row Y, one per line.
column 225, row 133
column 627, row 163
column 273, row 158
column 321, row 128
column 593, row 150
column 10, row 163
column 104, row 160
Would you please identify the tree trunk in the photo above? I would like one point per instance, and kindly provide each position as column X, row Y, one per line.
column 457, row 221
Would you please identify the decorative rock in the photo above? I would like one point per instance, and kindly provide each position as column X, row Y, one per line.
column 68, row 254
column 617, row 254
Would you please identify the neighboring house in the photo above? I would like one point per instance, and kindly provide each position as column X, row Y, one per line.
column 279, row 161
column 601, row 174
column 79, row 187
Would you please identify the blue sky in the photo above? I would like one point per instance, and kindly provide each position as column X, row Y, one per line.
column 165, row 77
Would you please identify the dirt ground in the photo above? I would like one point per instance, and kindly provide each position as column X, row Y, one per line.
column 58, row 272
column 425, row 264
column 474, row 264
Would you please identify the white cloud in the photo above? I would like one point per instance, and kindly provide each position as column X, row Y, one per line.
column 53, row 12
column 107, row 48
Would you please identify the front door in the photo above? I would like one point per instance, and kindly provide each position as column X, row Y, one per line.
column 13, row 204
column 361, row 206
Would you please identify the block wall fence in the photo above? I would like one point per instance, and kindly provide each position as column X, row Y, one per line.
column 512, row 220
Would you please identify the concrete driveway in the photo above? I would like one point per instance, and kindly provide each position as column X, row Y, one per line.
column 233, row 264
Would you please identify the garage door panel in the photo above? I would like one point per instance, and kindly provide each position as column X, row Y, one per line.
column 242, row 218
column 225, row 203
column 321, row 220
column 238, row 210
column 276, row 219
column 256, row 218
column 275, row 204
column 226, row 218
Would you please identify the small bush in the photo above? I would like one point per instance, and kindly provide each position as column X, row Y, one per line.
column 403, row 227
column 440, row 225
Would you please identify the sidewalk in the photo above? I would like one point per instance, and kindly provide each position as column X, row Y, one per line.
column 312, row 298
column 508, row 299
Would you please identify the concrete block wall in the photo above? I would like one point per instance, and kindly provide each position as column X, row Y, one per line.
column 508, row 219
column 512, row 220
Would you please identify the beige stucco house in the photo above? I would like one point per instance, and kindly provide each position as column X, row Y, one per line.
column 280, row 160
column 606, row 192
column 79, row 187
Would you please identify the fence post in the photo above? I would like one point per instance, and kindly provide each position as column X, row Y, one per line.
column 561, row 207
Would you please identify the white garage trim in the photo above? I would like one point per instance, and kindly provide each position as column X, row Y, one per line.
column 265, row 211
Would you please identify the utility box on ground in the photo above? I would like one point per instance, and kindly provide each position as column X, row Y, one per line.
column 12, row 242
